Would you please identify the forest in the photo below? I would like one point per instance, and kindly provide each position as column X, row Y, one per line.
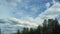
column 50, row 26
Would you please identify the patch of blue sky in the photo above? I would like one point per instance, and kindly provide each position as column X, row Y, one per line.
column 26, row 5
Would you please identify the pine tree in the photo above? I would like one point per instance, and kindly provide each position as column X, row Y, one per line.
column 31, row 31
column 45, row 23
column 25, row 31
column 39, row 29
column 50, row 26
column 56, row 26
column 45, row 27
column 18, row 32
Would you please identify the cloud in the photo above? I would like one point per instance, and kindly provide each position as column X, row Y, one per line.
column 30, row 8
column 51, row 12
column 48, row 5
column 54, row 1
column 10, row 25
column 21, row 8
column 15, row 21
column 25, row 10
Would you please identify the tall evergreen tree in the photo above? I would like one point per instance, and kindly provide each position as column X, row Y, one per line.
column 18, row 32
column 31, row 31
column 56, row 26
column 45, row 27
column 39, row 28
column 25, row 31
column 50, row 26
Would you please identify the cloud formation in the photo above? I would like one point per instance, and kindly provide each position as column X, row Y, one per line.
column 25, row 10
column 52, row 12
column 10, row 25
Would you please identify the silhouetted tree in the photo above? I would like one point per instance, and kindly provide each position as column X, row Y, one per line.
column 50, row 26
column 45, row 27
column 56, row 26
column 31, row 31
column 25, row 31
column 18, row 32
column 39, row 28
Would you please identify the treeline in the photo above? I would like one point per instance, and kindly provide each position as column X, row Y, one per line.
column 50, row 26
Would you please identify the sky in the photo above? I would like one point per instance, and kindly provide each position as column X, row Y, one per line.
column 31, row 12
column 17, row 14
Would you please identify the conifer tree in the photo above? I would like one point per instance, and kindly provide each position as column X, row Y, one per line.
column 25, row 31
column 39, row 29
column 45, row 27
column 18, row 32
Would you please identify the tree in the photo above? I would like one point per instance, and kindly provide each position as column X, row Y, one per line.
column 45, row 23
column 39, row 28
column 56, row 26
column 45, row 27
column 25, row 31
column 53, row 26
column 50, row 26
column 51, row 23
column 31, row 31
column 18, row 32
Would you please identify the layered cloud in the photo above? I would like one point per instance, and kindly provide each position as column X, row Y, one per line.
column 10, row 25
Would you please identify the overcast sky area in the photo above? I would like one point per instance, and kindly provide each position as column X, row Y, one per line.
column 29, row 12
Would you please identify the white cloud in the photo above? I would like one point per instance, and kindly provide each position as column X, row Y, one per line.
column 23, row 22
column 54, row 1
column 48, row 5
column 12, row 24
column 51, row 12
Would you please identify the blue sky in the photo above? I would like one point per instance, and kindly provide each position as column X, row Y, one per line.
column 30, row 11
column 23, row 8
